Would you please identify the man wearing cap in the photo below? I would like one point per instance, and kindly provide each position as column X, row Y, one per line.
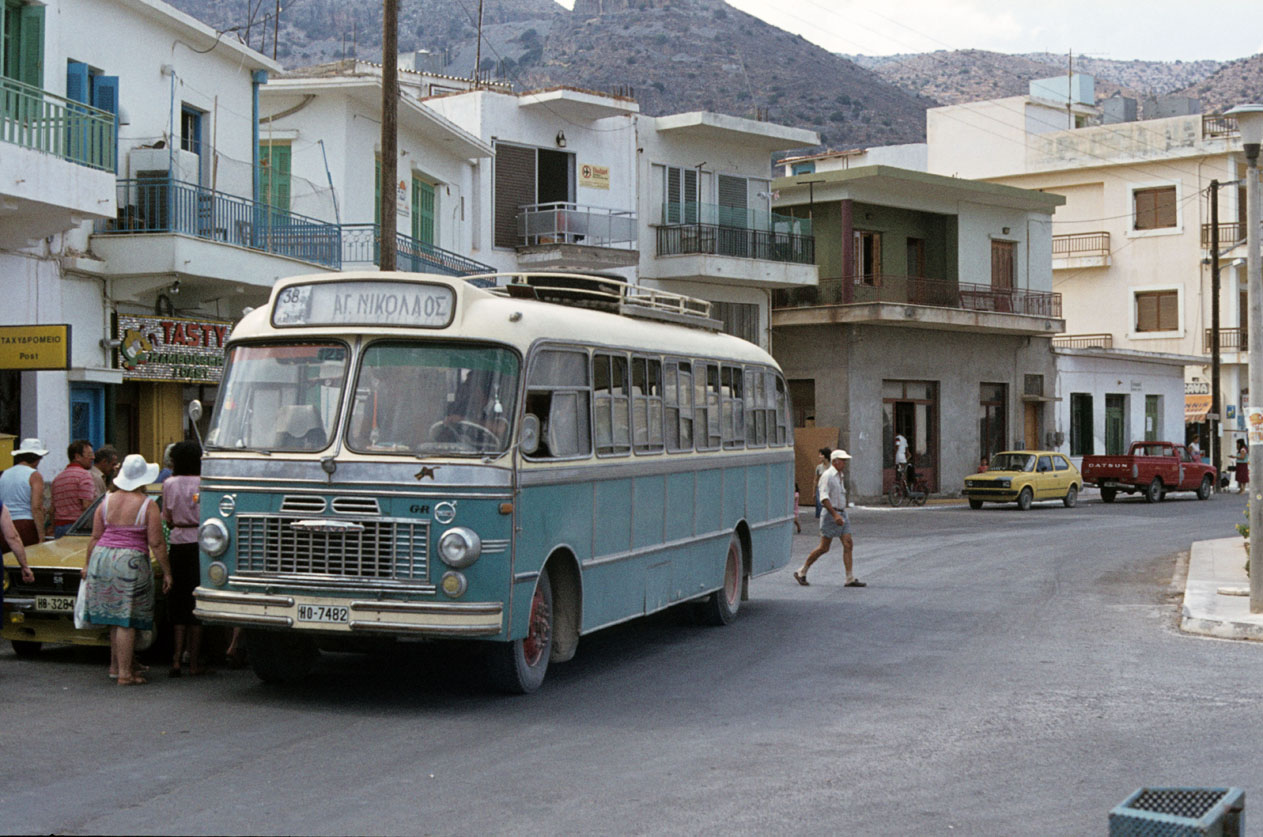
column 834, row 522
column 73, row 490
column 22, row 491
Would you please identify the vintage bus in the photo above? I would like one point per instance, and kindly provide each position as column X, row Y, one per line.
column 405, row 455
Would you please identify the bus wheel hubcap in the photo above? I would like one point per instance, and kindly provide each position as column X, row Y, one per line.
column 732, row 574
column 539, row 632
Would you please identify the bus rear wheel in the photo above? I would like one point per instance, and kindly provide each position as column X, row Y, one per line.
column 278, row 657
column 518, row 667
column 25, row 648
column 722, row 606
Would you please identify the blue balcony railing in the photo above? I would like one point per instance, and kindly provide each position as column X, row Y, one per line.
column 43, row 121
column 362, row 243
column 150, row 205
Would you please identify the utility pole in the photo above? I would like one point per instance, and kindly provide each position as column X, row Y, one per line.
column 276, row 27
column 478, row 50
column 390, row 138
column 1215, row 443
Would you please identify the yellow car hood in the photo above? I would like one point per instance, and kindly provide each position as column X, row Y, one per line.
column 69, row 552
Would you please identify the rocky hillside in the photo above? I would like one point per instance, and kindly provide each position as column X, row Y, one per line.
column 955, row 77
column 1237, row 82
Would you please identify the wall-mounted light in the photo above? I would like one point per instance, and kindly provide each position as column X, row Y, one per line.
column 109, row 343
column 561, row 139
column 1004, row 230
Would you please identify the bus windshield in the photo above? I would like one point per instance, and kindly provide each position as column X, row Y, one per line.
column 433, row 398
column 280, row 397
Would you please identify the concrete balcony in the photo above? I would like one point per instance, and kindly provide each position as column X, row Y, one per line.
column 57, row 162
column 568, row 236
column 1076, row 251
column 925, row 303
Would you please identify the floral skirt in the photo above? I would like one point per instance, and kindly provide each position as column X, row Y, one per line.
column 120, row 588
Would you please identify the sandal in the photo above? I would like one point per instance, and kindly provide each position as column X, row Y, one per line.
column 134, row 680
column 801, row 579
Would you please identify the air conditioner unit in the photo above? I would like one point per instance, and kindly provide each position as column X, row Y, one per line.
column 183, row 165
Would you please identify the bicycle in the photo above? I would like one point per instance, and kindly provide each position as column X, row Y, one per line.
column 901, row 492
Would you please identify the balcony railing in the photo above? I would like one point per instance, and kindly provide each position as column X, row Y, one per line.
column 570, row 223
column 1214, row 125
column 1081, row 244
column 1230, row 232
column 915, row 290
column 713, row 240
column 1230, row 340
column 43, row 121
column 733, row 216
column 362, row 243
column 149, row 205
column 1083, row 341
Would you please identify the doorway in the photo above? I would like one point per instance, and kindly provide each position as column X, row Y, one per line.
column 910, row 409
column 1115, row 425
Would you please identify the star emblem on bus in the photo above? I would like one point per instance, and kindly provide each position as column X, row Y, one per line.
column 426, row 471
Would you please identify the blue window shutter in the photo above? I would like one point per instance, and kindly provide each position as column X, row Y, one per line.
column 105, row 97
column 31, row 45
column 77, row 82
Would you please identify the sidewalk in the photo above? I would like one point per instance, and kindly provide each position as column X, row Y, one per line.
column 1213, row 566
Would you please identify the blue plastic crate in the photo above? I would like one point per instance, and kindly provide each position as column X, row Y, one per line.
column 1180, row 812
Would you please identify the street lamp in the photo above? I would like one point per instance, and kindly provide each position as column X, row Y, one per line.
column 1250, row 122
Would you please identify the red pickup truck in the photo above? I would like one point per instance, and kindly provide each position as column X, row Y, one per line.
column 1152, row 467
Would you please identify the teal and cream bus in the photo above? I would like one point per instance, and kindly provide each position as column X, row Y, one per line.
column 406, row 455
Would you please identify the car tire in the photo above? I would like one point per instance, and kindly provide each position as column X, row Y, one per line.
column 1153, row 491
column 1072, row 497
column 1024, row 499
column 25, row 648
column 1204, row 490
column 975, row 504
column 1107, row 495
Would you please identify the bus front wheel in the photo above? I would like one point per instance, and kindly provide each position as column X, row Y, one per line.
column 278, row 657
column 518, row 667
column 722, row 606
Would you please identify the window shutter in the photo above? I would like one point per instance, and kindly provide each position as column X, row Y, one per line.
column 77, row 82
column 1146, row 312
column 1168, row 311
column 31, row 46
column 514, row 187
column 105, row 96
column 732, row 201
column 377, row 196
column 674, row 199
column 423, row 213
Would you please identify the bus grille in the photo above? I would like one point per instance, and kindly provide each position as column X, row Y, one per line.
column 382, row 549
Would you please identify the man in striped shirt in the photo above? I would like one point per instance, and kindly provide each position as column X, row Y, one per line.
column 73, row 488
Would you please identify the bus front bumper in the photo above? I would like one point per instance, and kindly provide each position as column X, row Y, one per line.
column 266, row 610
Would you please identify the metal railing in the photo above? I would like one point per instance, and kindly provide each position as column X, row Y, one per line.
column 362, row 243
column 693, row 212
column 711, row 239
column 916, row 290
column 1230, row 340
column 1081, row 244
column 149, row 205
column 43, row 121
column 1230, row 232
column 570, row 223
column 1214, row 125
column 1083, row 341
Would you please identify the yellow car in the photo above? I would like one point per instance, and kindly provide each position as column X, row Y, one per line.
column 1024, row 476
column 44, row 611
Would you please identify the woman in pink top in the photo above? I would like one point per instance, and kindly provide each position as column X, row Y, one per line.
column 125, row 529
column 179, row 510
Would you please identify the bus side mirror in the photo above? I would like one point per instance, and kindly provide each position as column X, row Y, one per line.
column 195, row 410
column 528, row 439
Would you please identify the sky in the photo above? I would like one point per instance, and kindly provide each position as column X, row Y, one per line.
column 1154, row 30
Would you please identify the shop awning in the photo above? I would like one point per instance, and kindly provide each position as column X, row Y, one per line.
column 1195, row 408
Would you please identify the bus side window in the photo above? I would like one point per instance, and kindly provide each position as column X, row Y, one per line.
column 610, row 404
column 731, row 386
column 781, row 414
column 646, row 393
column 678, row 406
column 707, row 406
column 558, row 395
column 755, row 407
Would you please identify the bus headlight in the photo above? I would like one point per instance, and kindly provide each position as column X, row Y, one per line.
column 459, row 547
column 212, row 537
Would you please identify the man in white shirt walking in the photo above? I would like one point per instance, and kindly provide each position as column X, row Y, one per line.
column 901, row 456
column 834, row 522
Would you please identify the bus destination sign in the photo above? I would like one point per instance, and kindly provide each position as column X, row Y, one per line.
column 364, row 303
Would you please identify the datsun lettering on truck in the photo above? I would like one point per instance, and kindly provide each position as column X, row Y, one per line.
column 1153, row 468
column 404, row 455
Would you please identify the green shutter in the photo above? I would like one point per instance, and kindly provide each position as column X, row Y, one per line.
column 377, row 193
column 274, row 176
column 423, row 214
column 31, row 45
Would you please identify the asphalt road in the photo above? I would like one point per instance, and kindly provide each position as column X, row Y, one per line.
column 1003, row 673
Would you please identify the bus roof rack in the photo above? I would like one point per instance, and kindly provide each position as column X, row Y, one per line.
column 604, row 292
